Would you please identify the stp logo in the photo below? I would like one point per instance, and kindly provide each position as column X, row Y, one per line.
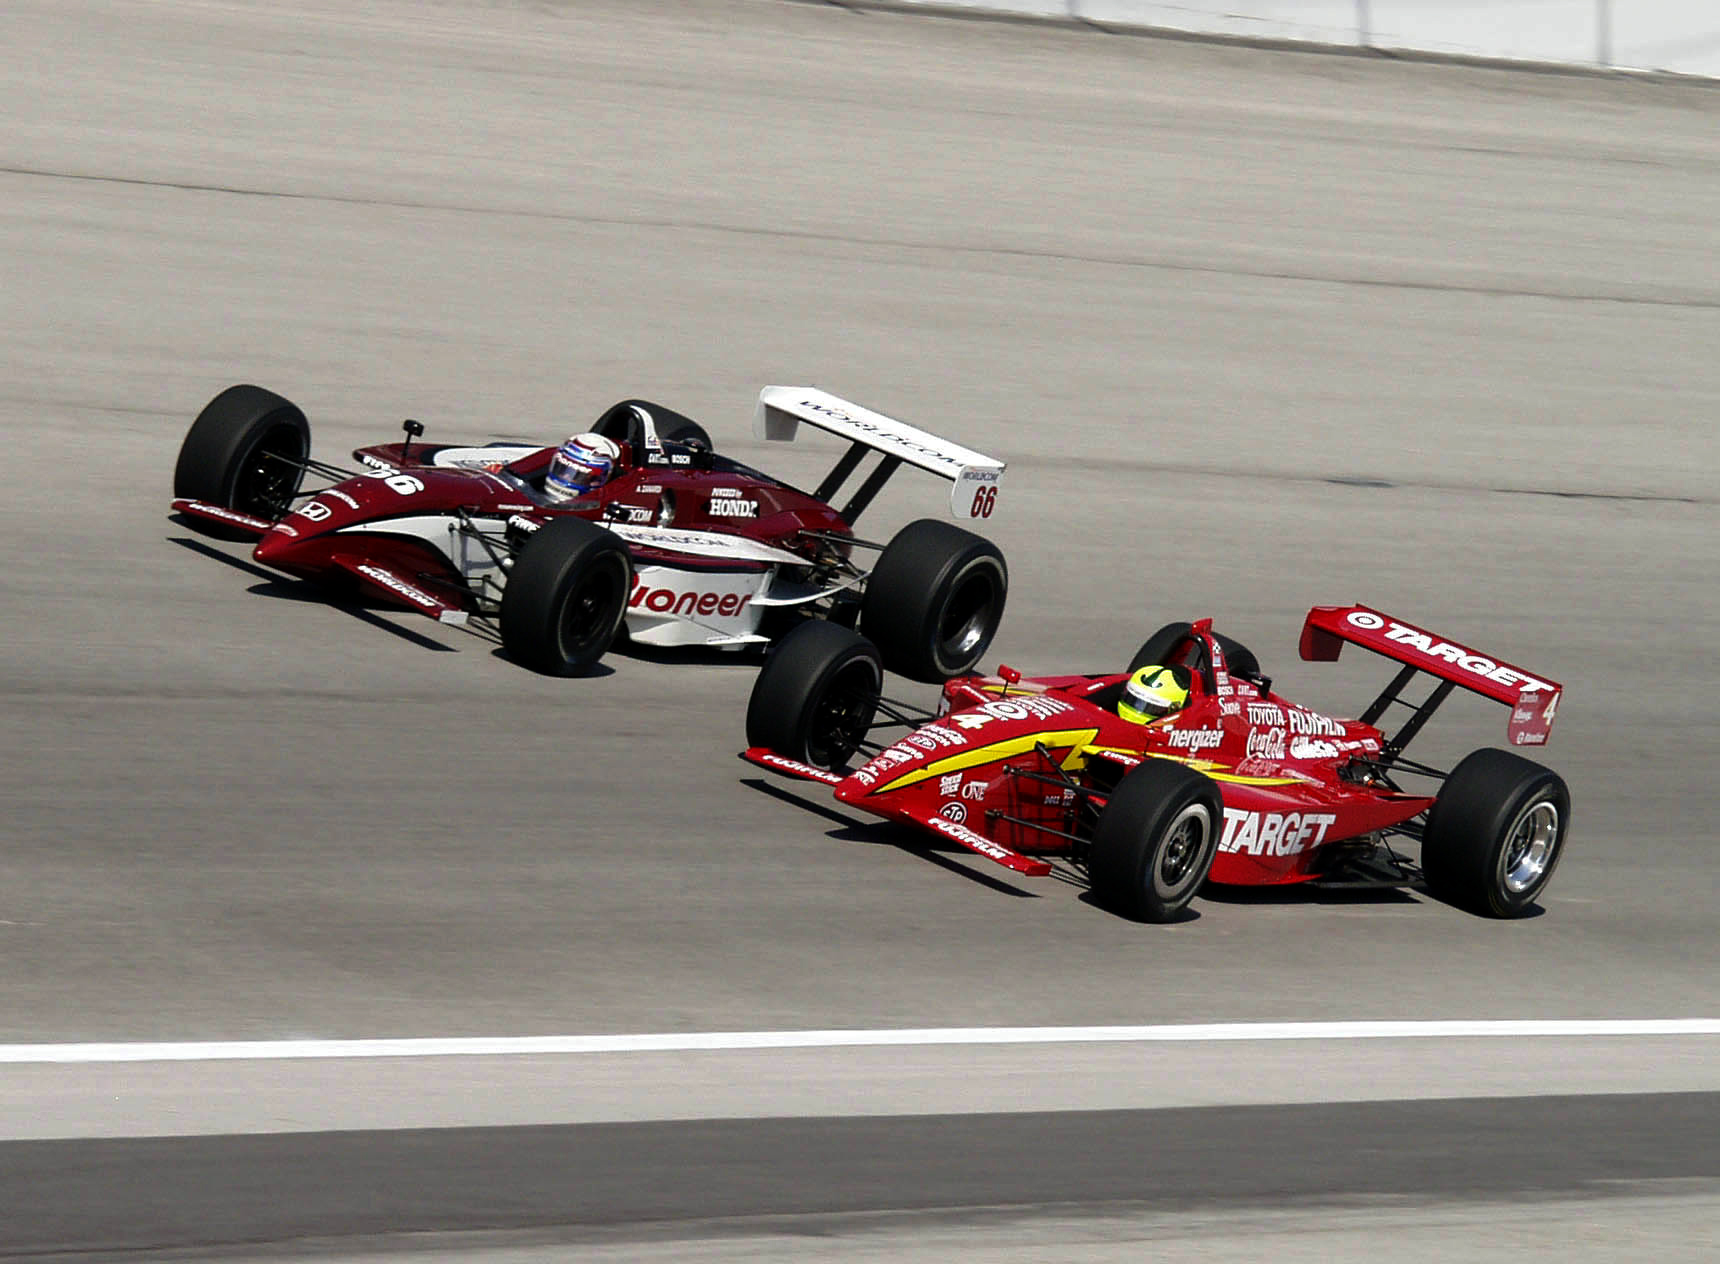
column 954, row 812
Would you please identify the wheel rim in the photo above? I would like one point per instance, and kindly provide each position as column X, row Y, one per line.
column 1185, row 842
column 841, row 716
column 268, row 476
column 588, row 614
column 1529, row 847
column 965, row 622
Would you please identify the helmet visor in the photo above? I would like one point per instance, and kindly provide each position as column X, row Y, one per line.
column 1149, row 702
column 575, row 471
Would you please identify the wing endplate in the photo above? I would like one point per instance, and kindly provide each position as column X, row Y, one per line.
column 975, row 477
column 218, row 513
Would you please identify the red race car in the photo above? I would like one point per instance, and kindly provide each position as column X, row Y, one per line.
column 639, row 523
column 1231, row 783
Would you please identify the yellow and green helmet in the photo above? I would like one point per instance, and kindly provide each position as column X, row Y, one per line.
column 1154, row 692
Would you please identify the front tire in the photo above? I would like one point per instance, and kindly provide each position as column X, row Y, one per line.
column 1155, row 840
column 935, row 600
column 566, row 596
column 1495, row 833
column 815, row 696
column 246, row 451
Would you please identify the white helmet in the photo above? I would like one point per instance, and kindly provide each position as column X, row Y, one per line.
column 580, row 466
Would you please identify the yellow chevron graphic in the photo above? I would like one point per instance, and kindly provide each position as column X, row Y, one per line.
column 1210, row 767
column 1075, row 738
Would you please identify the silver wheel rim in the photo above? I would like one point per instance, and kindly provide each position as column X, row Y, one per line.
column 1529, row 847
column 1185, row 840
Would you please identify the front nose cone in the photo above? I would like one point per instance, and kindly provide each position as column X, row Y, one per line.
column 273, row 548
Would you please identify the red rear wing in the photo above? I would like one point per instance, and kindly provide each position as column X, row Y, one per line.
column 1533, row 700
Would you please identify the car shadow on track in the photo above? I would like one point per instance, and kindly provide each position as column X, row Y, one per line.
column 1306, row 893
column 1188, row 913
column 888, row 834
column 282, row 588
column 746, row 656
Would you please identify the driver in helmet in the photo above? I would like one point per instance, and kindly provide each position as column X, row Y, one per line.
column 580, row 466
column 1154, row 692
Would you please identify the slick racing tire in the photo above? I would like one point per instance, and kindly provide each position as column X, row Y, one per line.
column 1495, row 833
column 245, row 451
column 566, row 596
column 1155, row 840
column 684, row 430
column 815, row 695
column 1239, row 658
column 935, row 600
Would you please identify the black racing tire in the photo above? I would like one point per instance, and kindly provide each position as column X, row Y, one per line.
column 1495, row 833
column 1239, row 658
column 566, row 596
column 685, row 430
column 935, row 600
column 1155, row 647
column 245, row 451
column 815, row 695
column 1154, row 841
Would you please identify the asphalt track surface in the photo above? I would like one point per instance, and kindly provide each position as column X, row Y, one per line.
column 1254, row 330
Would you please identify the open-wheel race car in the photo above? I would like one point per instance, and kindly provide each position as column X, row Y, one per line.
column 1234, row 784
column 678, row 544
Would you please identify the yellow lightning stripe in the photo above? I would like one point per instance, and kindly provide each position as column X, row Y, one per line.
column 1206, row 766
column 1255, row 781
column 1076, row 738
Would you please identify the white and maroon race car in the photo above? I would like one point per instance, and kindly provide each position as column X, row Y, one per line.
column 682, row 546
column 1240, row 786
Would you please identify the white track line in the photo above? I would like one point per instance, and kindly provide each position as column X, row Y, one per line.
column 684, row 1042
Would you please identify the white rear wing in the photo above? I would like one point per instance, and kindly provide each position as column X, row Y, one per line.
column 976, row 476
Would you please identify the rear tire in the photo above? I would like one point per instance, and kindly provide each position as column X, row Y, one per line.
column 1239, row 659
column 566, row 596
column 1155, row 840
column 1154, row 649
column 816, row 694
column 244, row 452
column 935, row 600
column 685, row 430
column 1495, row 833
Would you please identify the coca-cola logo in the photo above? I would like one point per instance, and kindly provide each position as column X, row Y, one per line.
column 1265, row 744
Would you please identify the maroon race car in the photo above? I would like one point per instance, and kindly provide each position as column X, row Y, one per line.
column 682, row 546
column 1240, row 786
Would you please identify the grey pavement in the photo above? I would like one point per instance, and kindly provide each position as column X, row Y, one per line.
column 1254, row 330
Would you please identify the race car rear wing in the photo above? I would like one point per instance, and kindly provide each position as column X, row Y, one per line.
column 1533, row 700
column 975, row 476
